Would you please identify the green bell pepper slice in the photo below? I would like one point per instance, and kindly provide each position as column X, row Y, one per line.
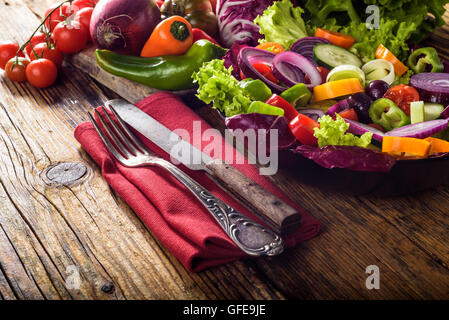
column 421, row 58
column 256, row 90
column 298, row 95
column 387, row 114
column 264, row 108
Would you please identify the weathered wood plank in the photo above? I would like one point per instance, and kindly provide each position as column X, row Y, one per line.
column 406, row 237
column 46, row 228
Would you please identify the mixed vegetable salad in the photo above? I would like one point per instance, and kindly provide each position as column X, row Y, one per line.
column 346, row 83
column 336, row 94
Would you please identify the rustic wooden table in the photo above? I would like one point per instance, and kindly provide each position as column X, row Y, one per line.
column 45, row 227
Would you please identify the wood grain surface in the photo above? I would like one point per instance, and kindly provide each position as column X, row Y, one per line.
column 56, row 212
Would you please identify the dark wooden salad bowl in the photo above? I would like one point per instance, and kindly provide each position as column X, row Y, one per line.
column 405, row 178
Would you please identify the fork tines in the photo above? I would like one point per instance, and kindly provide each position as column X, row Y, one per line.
column 118, row 138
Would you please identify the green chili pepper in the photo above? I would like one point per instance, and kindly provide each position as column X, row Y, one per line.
column 256, row 89
column 421, row 58
column 387, row 114
column 165, row 72
column 298, row 95
column 264, row 108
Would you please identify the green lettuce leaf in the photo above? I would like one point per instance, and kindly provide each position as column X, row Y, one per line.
column 282, row 23
column 218, row 86
column 333, row 133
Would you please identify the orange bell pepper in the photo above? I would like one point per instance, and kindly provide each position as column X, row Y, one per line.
column 172, row 36
column 336, row 38
column 273, row 47
column 384, row 53
column 339, row 88
column 401, row 146
column 437, row 145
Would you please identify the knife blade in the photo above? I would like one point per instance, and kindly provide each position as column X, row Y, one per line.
column 278, row 215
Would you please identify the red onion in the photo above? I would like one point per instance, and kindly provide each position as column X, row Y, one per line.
column 288, row 74
column 305, row 46
column 432, row 87
column 314, row 114
column 287, row 61
column 420, row 130
column 360, row 129
column 124, row 26
column 247, row 56
column 339, row 107
column 445, row 113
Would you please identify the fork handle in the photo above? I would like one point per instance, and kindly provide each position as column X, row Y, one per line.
column 278, row 215
column 250, row 236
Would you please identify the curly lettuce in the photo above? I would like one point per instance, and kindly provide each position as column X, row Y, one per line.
column 333, row 133
column 218, row 86
column 282, row 23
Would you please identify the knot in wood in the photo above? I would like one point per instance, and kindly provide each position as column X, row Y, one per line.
column 107, row 287
column 66, row 173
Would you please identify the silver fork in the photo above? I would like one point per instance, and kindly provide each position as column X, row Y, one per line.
column 253, row 238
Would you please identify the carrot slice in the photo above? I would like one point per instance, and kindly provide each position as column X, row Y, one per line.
column 339, row 88
column 336, row 38
column 272, row 47
column 384, row 53
column 437, row 145
column 401, row 146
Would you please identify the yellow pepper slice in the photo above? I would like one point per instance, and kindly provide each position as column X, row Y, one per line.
column 335, row 89
column 401, row 146
column 437, row 145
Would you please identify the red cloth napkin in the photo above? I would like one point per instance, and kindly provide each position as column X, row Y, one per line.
column 166, row 207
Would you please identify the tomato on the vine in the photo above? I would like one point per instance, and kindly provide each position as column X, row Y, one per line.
column 83, row 16
column 15, row 69
column 403, row 96
column 39, row 37
column 70, row 38
column 8, row 50
column 80, row 4
column 51, row 53
column 41, row 73
column 58, row 16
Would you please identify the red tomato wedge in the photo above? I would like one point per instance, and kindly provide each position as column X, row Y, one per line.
column 403, row 95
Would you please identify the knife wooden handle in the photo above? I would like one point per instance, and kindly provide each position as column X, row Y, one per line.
column 278, row 215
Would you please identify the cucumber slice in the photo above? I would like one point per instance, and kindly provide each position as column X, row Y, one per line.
column 330, row 56
column 417, row 112
column 432, row 111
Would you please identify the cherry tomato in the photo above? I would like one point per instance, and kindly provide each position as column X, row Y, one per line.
column 70, row 38
column 39, row 37
column 41, row 73
column 83, row 16
column 8, row 50
column 80, row 4
column 349, row 114
column 58, row 16
column 16, row 71
column 402, row 95
column 265, row 70
column 43, row 51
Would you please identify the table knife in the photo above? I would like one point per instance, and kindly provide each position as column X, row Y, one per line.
column 279, row 216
